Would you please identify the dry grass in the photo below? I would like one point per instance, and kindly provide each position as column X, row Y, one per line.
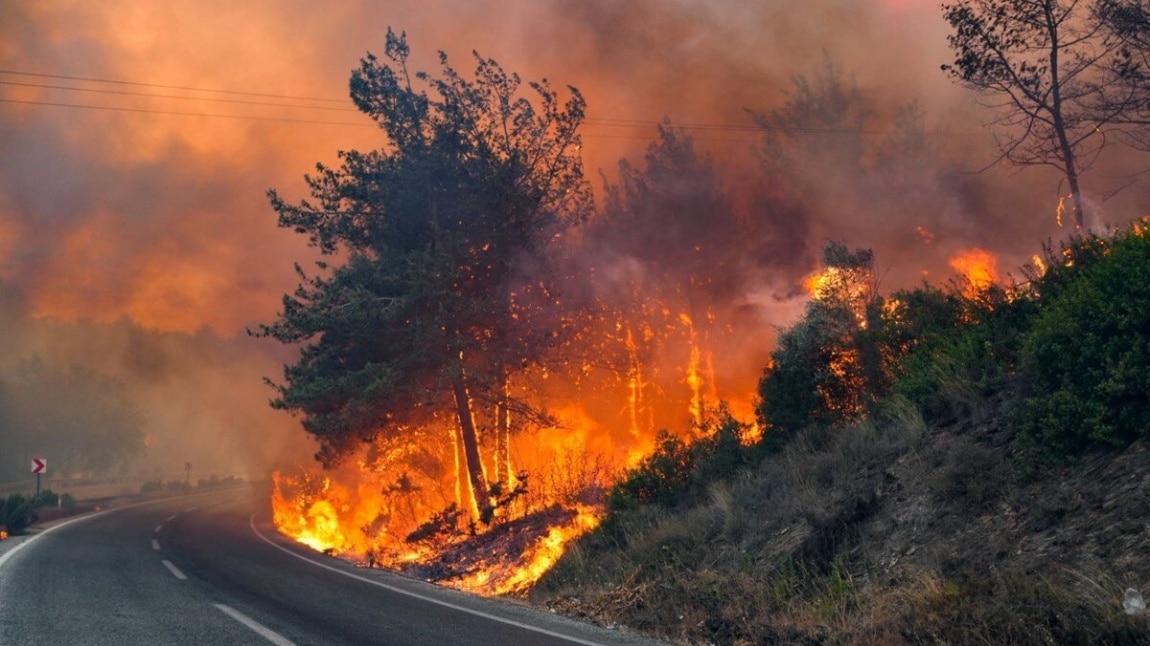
column 798, row 551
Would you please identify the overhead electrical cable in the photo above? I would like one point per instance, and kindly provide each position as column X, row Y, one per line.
column 602, row 122
column 176, row 96
column 186, row 114
column 173, row 87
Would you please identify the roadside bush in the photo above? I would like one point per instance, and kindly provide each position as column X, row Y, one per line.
column 152, row 486
column 820, row 371
column 660, row 478
column 49, row 498
column 1085, row 365
column 17, row 512
column 677, row 468
column 956, row 348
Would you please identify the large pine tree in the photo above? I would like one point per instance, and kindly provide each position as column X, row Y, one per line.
column 440, row 235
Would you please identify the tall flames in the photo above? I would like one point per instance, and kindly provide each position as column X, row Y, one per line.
column 402, row 503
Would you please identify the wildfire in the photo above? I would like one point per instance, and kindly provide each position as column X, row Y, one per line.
column 319, row 513
column 852, row 287
column 536, row 560
column 978, row 267
column 408, row 501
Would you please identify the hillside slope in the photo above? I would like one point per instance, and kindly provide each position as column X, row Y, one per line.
column 887, row 532
column 984, row 479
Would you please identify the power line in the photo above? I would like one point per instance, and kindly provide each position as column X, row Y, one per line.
column 171, row 87
column 288, row 119
column 604, row 122
column 174, row 96
column 754, row 128
column 186, row 114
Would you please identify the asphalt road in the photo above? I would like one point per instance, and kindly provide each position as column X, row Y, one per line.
column 210, row 569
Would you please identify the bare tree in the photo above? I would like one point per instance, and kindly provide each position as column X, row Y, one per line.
column 1055, row 74
column 1129, row 21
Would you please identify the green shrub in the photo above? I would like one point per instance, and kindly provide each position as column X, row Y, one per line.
column 1085, row 365
column 49, row 498
column 17, row 512
column 821, row 369
column 660, row 478
column 676, row 468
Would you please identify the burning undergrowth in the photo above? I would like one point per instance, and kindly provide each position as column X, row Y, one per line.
column 395, row 528
column 489, row 359
column 533, row 543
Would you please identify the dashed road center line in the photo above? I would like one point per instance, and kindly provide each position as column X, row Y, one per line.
column 262, row 630
column 155, row 545
column 174, row 570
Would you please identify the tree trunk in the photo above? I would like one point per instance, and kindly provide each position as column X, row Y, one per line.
column 503, row 471
column 460, row 480
column 1069, row 161
column 470, row 440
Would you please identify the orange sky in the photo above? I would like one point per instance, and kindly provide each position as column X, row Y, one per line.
column 162, row 218
column 156, row 227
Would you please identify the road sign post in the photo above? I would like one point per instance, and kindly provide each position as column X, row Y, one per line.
column 39, row 466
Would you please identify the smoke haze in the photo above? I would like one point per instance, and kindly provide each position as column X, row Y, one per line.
column 138, row 242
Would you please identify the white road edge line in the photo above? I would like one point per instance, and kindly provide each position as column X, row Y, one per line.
column 155, row 545
column 174, row 570
column 15, row 550
column 4, row 558
column 263, row 631
column 438, row 602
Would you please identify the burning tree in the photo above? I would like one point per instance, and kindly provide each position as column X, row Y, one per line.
column 441, row 236
column 671, row 233
column 818, row 372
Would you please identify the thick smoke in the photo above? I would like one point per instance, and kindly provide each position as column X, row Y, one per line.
column 138, row 243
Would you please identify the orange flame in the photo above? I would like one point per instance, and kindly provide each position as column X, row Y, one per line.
column 405, row 502
column 978, row 266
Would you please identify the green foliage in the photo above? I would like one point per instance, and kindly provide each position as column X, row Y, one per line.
column 817, row 375
column 1069, row 349
column 960, row 347
column 677, row 468
column 49, row 498
column 660, row 478
column 17, row 512
column 1085, row 364
column 433, row 302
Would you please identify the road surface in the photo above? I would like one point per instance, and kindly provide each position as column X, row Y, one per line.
column 209, row 569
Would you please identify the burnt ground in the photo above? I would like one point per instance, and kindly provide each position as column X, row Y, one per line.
column 495, row 551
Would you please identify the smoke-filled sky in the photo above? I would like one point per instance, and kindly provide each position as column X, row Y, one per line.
column 150, row 211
